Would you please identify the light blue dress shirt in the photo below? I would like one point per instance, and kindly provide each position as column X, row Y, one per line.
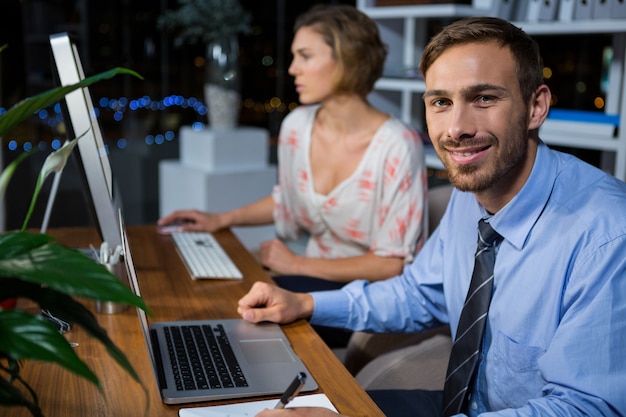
column 555, row 342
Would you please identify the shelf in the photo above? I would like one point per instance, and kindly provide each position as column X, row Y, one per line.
column 552, row 27
column 400, row 84
column 424, row 11
column 574, row 27
column 403, row 29
column 582, row 142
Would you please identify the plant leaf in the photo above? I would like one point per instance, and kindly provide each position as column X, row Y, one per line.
column 37, row 258
column 5, row 176
column 11, row 396
column 205, row 20
column 25, row 108
column 66, row 308
column 55, row 162
column 25, row 336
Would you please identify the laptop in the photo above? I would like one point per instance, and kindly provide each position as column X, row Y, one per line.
column 257, row 359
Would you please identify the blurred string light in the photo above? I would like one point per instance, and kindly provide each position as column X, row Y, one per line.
column 119, row 107
column 581, row 87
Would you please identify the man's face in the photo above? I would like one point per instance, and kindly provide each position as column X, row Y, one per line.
column 476, row 117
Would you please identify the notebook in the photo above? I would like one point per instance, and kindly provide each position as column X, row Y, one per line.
column 252, row 408
column 266, row 363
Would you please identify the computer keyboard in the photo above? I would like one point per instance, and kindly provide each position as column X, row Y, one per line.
column 202, row 358
column 203, row 256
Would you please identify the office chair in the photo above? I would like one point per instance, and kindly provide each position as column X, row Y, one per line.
column 404, row 361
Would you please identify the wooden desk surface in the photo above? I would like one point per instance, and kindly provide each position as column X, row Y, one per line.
column 171, row 295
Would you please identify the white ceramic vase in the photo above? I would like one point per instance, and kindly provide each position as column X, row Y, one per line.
column 221, row 88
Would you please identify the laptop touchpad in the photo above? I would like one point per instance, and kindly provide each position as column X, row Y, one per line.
column 265, row 351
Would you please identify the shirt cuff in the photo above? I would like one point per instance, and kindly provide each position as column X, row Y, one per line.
column 331, row 308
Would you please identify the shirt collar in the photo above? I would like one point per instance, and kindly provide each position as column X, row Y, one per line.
column 515, row 220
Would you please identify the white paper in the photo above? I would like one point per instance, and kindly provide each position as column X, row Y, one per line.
column 250, row 409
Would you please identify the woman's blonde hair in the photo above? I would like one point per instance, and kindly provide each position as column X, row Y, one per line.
column 355, row 41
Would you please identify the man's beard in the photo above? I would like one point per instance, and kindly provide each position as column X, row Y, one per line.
column 475, row 178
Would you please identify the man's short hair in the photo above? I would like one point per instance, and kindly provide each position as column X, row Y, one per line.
column 524, row 49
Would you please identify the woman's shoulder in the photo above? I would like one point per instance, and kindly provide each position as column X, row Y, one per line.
column 302, row 114
column 394, row 133
column 397, row 125
column 297, row 125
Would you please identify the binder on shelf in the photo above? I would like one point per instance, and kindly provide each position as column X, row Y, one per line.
column 503, row 9
column 507, row 8
column 548, row 10
column 518, row 10
column 601, row 9
column 488, row 7
column 577, row 128
column 533, row 10
column 378, row 3
column 580, row 123
column 485, row 5
column 566, row 10
column 583, row 9
column 618, row 9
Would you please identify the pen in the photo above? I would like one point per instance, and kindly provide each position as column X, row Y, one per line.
column 292, row 390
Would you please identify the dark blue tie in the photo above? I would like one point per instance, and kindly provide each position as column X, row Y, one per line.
column 469, row 336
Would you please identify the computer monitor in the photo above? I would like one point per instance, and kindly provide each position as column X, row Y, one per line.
column 93, row 161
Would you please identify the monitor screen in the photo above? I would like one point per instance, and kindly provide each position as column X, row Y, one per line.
column 93, row 158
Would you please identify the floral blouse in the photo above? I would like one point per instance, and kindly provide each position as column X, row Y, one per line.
column 380, row 208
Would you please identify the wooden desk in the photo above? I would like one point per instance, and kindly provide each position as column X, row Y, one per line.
column 171, row 295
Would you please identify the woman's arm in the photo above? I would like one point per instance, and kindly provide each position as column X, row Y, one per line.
column 258, row 213
column 276, row 256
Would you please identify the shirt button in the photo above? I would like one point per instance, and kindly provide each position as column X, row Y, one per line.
column 474, row 406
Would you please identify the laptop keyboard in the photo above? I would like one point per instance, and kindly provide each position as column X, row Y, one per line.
column 202, row 358
column 204, row 256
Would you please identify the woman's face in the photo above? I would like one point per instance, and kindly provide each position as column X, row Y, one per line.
column 313, row 66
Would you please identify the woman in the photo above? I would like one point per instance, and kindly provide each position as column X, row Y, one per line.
column 350, row 176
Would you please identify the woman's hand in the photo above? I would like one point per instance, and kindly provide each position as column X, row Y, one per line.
column 276, row 256
column 192, row 220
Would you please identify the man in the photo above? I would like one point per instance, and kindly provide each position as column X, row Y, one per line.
column 553, row 343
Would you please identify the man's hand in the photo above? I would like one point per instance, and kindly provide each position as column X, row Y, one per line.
column 265, row 302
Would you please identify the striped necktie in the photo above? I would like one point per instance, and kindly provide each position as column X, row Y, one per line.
column 469, row 336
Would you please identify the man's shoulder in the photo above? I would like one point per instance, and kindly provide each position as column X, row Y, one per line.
column 576, row 178
column 589, row 191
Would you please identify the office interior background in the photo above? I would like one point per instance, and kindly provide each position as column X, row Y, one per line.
column 124, row 33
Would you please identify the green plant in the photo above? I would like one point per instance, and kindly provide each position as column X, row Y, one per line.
column 205, row 20
column 34, row 266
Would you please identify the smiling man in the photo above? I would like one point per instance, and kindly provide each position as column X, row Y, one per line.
column 547, row 337
column 484, row 129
